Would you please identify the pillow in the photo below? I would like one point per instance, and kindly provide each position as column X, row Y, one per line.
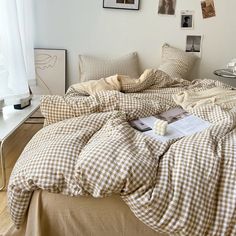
column 176, row 62
column 92, row 68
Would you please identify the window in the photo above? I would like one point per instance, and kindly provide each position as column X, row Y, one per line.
column 16, row 49
column 4, row 90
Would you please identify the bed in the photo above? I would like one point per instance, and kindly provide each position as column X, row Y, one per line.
column 88, row 156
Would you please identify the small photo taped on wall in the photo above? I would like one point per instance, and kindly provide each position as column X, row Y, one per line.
column 208, row 8
column 166, row 7
column 194, row 44
column 187, row 19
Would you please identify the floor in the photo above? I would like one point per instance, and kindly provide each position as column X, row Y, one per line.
column 12, row 149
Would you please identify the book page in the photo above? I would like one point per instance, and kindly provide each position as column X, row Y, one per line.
column 190, row 125
column 180, row 124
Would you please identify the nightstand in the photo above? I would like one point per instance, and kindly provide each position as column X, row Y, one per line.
column 225, row 73
column 226, row 76
column 10, row 120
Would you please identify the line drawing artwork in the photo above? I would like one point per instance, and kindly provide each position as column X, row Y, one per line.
column 50, row 71
column 43, row 62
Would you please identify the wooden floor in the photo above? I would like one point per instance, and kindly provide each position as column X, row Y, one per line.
column 12, row 149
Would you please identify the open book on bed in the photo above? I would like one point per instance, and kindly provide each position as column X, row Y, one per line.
column 180, row 124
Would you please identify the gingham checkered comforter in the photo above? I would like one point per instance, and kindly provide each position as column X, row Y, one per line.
column 183, row 187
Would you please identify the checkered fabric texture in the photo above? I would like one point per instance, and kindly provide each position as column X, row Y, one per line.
column 176, row 62
column 184, row 186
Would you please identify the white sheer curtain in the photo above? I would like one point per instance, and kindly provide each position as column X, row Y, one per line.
column 16, row 49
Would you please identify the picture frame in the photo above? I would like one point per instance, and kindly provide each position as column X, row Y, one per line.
column 122, row 4
column 50, row 70
column 187, row 20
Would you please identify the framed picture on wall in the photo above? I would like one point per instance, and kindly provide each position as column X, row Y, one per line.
column 50, row 70
column 121, row 4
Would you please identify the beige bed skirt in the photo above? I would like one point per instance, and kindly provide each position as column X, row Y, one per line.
column 55, row 214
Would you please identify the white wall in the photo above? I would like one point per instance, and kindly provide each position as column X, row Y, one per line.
column 84, row 27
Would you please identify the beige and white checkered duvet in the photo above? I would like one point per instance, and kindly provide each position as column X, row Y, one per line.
column 183, row 187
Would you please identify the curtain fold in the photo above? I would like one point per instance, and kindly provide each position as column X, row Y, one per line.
column 17, row 52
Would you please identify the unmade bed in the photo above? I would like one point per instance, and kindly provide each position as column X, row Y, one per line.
column 87, row 148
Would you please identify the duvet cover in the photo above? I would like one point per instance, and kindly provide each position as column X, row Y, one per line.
column 184, row 186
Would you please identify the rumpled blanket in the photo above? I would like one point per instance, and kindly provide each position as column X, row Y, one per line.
column 115, row 82
column 104, row 84
column 218, row 96
column 184, row 186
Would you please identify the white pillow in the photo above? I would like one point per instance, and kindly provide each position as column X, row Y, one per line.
column 92, row 68
column 176, row 62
